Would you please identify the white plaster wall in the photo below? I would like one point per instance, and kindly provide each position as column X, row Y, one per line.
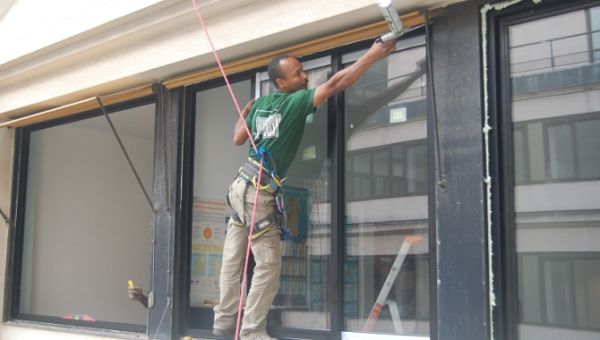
column 157, row 42
column 32, row 25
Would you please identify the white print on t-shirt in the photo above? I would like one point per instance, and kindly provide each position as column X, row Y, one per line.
column 267, row 127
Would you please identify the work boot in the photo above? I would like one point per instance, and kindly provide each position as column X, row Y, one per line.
column 224, row 334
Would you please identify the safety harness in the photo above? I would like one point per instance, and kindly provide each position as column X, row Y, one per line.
column 270, row 183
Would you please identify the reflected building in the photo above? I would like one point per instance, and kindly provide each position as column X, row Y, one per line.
column 555, row 119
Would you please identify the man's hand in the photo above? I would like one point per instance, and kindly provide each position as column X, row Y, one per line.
column 135, row 293
column 380, row 50
column 239, row 132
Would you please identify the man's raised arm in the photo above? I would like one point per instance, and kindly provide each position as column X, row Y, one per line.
column 348, row 76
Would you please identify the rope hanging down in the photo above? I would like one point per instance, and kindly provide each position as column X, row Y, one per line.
column 260, row 171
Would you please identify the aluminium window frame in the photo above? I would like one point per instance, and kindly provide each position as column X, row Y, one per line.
column 507, row 314
column 186, row 194
column 16, row 233
column 336, row 153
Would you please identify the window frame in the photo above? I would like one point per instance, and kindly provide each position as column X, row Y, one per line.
column 571, row 121
column 507, row 314
column 336, row 153
column 16, row 233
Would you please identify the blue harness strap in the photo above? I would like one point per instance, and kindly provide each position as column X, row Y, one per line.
column 279, row 199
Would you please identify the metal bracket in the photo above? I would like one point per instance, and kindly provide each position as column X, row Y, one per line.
column 137, row 176
column 441, row 182
column 5, row 217
column 150, row 300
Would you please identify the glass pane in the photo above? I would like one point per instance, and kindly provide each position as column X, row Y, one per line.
column 381, row 172
column 520, row 161
column 557, row 213
column 588, row 150
column 303, row 301
column 398, row 185
column 386, row 229
column 595, row 26
column 560, row 152
column 87, row 226
column 416, row 172
column 361, row 179
column 213, row 173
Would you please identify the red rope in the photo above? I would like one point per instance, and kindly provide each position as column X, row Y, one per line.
column 244, row 276
column 252, row 219
column 218, row 60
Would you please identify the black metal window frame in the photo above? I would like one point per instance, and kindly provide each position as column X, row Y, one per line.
column 336, row 152
column 506, row 314
column 186, row 180
column 16, row 233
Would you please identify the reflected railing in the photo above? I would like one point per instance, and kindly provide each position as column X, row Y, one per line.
column 560, row 53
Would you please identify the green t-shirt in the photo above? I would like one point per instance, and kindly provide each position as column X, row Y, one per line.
column 277, row 124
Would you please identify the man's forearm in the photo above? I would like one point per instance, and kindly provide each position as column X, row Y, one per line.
column 348, row 76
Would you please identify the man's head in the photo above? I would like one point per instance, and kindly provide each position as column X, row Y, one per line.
column 287, row 74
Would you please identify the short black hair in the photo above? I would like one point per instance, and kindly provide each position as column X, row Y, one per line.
column 274, row 69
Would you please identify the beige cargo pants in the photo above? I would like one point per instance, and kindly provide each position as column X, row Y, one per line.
column 267, row 256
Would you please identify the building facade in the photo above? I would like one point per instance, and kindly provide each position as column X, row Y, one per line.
column 451, row 193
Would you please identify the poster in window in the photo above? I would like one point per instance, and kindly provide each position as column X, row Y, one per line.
column 208, row 237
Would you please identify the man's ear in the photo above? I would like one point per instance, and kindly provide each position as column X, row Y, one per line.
column 279, row 83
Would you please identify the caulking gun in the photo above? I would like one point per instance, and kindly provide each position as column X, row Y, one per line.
column 393, row 20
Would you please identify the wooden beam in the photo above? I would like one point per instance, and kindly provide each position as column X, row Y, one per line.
column 317, row 45
column 78, row 107
column 261, row 60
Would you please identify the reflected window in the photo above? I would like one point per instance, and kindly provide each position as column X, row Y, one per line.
column 303, row 300
column 560, row 152
column 556, row 125
column 386, row 266
column 557, row 149
column 588, row 152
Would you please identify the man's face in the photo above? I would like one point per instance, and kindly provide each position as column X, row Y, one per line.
column 294, row 77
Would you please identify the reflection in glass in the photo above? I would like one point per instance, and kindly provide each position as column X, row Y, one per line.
column 560, row 152
column 557, row 203
column 386, row 199
column 302, row 301
column 214, row 122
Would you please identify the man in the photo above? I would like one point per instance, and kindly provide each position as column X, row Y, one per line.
column 137, row 294
column 277, row 123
